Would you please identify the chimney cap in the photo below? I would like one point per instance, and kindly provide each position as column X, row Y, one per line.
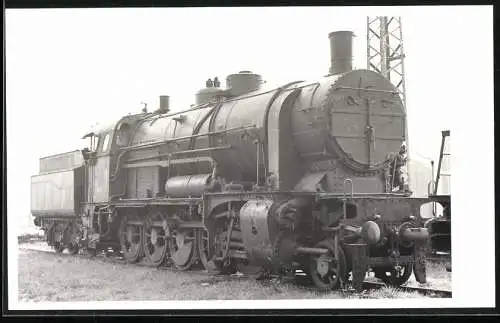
column 334, row 33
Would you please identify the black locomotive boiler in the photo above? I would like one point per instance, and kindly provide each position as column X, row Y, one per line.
column 299, row 177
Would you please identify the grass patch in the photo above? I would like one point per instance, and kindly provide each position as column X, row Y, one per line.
column 437, row 277
column 51, row 277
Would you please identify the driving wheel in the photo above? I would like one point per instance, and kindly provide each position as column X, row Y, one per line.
column 131, row 238
column 325, row 270
column 155, row 232
column 182, row 247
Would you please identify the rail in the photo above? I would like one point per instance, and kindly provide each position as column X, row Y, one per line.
column 182, row 152
column 364, row 89
column 127, row 149
column 160, row 142
column 421, row 290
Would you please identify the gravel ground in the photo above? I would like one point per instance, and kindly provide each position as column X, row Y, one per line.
column 50, row 277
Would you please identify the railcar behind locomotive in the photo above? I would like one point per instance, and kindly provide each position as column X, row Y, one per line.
column 300, row 177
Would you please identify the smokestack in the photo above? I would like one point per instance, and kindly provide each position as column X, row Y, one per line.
column 164, row 104
column 341, row 51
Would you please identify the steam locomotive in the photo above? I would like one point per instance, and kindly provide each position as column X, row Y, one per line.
column 297, row 178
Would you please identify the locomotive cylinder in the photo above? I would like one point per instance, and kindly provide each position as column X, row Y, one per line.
column 341, row 51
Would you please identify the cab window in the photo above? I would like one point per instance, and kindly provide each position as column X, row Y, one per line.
column 105, row 144
column 123, row 137
column 94, row 143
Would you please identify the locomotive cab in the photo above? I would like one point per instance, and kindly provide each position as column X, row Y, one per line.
column 97, row 165
column 106, row 146
column 101, row 160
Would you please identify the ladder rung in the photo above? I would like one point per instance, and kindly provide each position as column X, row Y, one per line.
column 446, row 154
column 445, row 174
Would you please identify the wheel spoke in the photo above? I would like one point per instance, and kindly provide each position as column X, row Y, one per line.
column 131, row 240
column 204, row 253
column 393, row 276
column 182, row 248
column 325, row 270
column 155, row 240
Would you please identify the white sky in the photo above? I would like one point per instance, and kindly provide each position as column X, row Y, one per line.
column 67, row 69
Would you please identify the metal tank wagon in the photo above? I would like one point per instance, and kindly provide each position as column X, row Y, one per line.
column 299, row 177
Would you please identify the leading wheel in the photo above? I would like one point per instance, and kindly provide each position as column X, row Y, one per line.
column 325, row 270
column 394, row 276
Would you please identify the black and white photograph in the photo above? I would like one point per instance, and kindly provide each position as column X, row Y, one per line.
column 250, row 158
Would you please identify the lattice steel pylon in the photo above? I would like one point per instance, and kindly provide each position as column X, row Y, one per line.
column 385, row 55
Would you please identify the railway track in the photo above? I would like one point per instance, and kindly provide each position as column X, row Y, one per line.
column 367, row 285
column 425, row 291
